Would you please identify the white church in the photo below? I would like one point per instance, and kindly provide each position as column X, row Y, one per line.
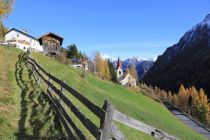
column 125, row 79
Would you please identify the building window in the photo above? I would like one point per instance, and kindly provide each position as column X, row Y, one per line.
column 17, row 35
column 120, row 73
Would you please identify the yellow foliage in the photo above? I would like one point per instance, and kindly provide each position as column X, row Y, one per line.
column 133, row 72
column 183, row 97
column 174, row 99
column 170, row 97
column 5, row 7
column 102, row 67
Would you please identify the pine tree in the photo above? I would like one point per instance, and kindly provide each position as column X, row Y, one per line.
column 72, row 51
column 112, row 72
column 80, row 55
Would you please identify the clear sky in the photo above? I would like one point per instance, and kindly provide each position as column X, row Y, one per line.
column 141, row 28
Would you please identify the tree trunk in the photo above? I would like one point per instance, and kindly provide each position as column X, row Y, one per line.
column 2, row 27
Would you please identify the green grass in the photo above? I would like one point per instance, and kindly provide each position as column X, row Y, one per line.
column 9, row 90
column 25, row 111
column 127, row 101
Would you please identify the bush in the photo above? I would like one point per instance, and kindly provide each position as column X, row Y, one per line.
column 62, row 58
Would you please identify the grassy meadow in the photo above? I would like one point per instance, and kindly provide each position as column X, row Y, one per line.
column 127, row 101
column 26, row 112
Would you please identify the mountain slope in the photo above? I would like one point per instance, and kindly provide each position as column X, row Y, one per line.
column 127, row 101
column 187, row 62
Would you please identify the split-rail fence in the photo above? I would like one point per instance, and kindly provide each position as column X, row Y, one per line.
column 107, row 114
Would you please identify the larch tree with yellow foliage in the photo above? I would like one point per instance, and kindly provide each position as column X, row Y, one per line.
column 174, row 100
column 203, row 106
column 106, row 74
column 182, row 98
column 170, row 97
column 5, row 10
column 195, row 100
column 102, row 67
column 133, row 72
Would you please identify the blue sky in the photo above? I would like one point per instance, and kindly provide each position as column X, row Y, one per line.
column 141, row 28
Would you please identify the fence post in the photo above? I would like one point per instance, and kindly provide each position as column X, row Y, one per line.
column 39, row 78
column 34, row 71
column 49, row 80
column 62, row 90
column 106, row 122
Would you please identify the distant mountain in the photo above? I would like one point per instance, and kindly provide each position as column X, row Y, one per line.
column 187, row 62
column 143, row 67
column 105, row 56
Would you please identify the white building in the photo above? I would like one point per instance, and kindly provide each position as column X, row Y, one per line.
column 83, row 65
column 124, row 79
column 79, row 66
column 22, row 40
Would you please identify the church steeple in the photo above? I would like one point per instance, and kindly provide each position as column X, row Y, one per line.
column 119, row 64
column 119, row 70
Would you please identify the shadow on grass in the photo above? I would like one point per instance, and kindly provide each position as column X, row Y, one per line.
column 37, row 120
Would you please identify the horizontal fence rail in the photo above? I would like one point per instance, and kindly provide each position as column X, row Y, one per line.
column 101, row 132
column 126, row 120
column 95, row 109
column 107, row 129
column 95, row 131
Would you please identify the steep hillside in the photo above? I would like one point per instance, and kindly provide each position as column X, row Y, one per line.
column 127, row 101
column 187, row 62
column 9, row 94
column 25, row 111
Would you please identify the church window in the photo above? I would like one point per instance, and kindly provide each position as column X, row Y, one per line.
column 119, row 72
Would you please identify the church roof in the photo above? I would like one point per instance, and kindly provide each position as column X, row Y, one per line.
column 119, row 63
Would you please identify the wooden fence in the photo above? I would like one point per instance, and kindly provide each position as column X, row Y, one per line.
column 107, row 129
column 104, row 114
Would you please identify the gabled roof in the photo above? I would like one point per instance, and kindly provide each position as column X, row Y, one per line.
column 14, row 29
column 51, row 35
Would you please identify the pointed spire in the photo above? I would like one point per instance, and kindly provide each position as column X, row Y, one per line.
column 119, row 64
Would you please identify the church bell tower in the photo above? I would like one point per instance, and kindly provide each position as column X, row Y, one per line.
column 119, row 70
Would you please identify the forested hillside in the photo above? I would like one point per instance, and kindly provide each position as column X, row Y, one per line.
column 187, row 62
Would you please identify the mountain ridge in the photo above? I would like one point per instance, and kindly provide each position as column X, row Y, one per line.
column 186, row 62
